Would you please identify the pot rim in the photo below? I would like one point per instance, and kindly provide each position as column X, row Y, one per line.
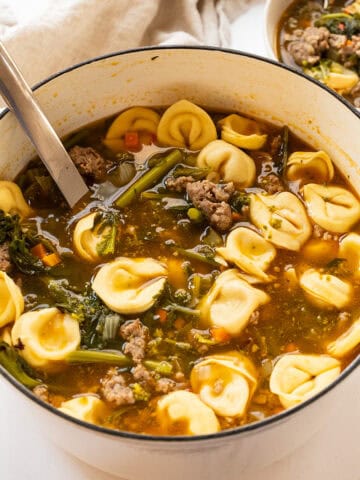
column 248, row 428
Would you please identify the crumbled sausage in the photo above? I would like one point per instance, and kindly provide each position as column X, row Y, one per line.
column 142, row 375
column 165, row 385
column 115, row 390
column 346, row 51
column 212, row 201
column 307, row 45
column 89, row 162
column 5, row 262
column 42, row 392
column 137, row 336
column 178, row 184
column 319, row 232
column 272, row 184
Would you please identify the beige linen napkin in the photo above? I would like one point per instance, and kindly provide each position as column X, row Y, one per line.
column 45, row 36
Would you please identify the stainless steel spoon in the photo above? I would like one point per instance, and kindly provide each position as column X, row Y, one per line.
column 19, row 98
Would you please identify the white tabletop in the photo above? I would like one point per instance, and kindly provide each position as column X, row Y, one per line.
column 332, row 454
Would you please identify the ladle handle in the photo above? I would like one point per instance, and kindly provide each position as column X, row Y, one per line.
column 19, row 98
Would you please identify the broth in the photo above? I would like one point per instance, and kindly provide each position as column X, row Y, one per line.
column 161, row 345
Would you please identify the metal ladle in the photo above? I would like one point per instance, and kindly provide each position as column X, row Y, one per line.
column 19, row 98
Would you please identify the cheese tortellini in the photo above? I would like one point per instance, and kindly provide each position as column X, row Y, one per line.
column 184, row 124
column 185, row 408
column 48, row 336
column 130, row 285
column 333, row 208
column 346, row 342
column 296, row 377
column 230, row 302
column 86, row 407
column 281, row 218
column 242, row 132
column 230, row 163
column 136, row 119
column 225, row 382
column 310, row 167
column 249, row 251
column 12, row 200
column 11, row 300
column 88, row 237
column 349, row 249
column 324, row 290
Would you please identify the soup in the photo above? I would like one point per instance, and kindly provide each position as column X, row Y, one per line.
column 323, row 39
column 208, row 280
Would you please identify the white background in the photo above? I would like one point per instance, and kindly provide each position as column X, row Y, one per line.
column 333, row 454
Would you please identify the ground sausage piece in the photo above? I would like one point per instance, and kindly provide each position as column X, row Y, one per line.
column 307, row 45
column 89, row 162
column 193, row 338
column 5, row 263
column 272, row 184
column 142, row 375
column 42, row 392
column 178, row 184
column 212, row 201
column 115, row 390
column 136, row 336
column 347, row 52
column 165, row 385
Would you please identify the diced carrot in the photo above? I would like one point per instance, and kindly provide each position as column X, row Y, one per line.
column 39, row 251
column 132, row 140
column 162, row 314
column 291, row 347
column 51, row 260
column 236, row 216
column 220, row 335
column 179, row 323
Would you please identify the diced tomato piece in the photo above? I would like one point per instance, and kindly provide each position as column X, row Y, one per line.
column 132, row 140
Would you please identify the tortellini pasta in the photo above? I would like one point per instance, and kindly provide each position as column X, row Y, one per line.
column 346, row 342
column 136, row 119
column 87, row 237
column 11, row 300
column 86, row 407
column 242, row 132
column 130, row 285
column 185, row 408
column 249, row 251
column 281, row 218
column 225, row 382
column 12, row 200
column 296, row 377
column 230, row 163
column 349, row 249
column 325, row 290
column 333, row 208
column 230, row 302
column 184, row 124
column 48, row 336
column 310, row 167
column 335, row 76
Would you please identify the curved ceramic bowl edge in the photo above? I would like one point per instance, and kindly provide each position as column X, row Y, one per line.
column 161, row 76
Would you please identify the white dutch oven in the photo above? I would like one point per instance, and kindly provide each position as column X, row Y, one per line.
column 219, row 80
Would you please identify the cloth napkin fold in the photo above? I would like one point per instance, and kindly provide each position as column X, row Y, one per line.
column 45, row 36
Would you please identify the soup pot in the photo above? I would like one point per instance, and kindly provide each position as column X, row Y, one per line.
column 274, row 10
column 220, row 80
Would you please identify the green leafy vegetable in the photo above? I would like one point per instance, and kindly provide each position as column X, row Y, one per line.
column 16, row 366
column 201, row 253
column 112, row 357
column 149, row 178
column 239, row 200
column 182, row 170
column 107, row 223
column 140, row 394
column 163, row 367
column 340, row 23
column 282, row 154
